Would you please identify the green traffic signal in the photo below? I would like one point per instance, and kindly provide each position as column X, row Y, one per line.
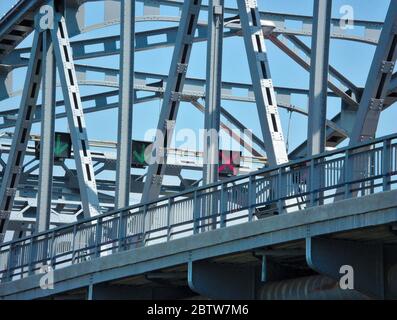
column 60, row 147
column 139, row 149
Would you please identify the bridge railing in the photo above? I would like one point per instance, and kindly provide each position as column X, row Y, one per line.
column 344, row 173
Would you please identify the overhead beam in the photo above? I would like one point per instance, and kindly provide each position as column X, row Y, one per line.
column 105, row 46
column 194, row 87
column 19, row 17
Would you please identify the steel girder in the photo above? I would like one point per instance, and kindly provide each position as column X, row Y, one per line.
column 17, row 24
column 377, row 86
column 125, row 114
column 194, row 87
column 13, row 170
column 319, row 77
column 212, row 118
column 169, row 110
column 263, row 86
column 59, row 44
column 47, row 140
column 75, row 115
column 376, row 89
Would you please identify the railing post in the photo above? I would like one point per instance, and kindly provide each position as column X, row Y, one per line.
column 280, row 202
column 371, row 173
column 169, row 227
column 22, row 259
column 9, row 264
column 312, row 183
column 122, row 230
column 223, row 207
column 347, row 174
column 52, row 252
column 74, row 243
column 196, row 221
column 251, row 197
column 98, row 237
column 144, row 224
column 386, row 164
column 31, row 256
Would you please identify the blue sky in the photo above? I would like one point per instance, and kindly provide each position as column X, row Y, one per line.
column 351, row 58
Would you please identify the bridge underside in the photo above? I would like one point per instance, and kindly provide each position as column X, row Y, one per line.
column 247, row 261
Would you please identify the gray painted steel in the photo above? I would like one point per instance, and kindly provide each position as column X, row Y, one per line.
column 262, row 83
column 242, row 211
column 353, row 214
column 12, row 172
column 319, row 77
column 48, row 135
column 213, row 91
column 380, row 74
column 75, row 116
column 124, row 147
column 172, row 99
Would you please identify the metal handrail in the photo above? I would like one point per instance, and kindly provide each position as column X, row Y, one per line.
column 216, row 184
column 279, row 184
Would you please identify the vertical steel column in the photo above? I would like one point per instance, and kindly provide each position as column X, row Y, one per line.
column 47, row 135
column 172, row 98
column 213, row 105
column 124, row 147
column 213, row 91
column 75, row 115
column 319, row 76
column 263, row 86
column 20, row 140
column 377, row 85
column 319, row 67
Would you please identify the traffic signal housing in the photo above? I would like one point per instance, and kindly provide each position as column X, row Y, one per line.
column 141, row 151
column 62, row 147
column 229, row 163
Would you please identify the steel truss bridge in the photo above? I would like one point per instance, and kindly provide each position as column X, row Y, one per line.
column 281, row 229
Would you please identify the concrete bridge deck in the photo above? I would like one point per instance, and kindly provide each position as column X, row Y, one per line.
column 166, row 270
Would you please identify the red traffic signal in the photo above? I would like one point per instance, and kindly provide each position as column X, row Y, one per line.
column 229, row 163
